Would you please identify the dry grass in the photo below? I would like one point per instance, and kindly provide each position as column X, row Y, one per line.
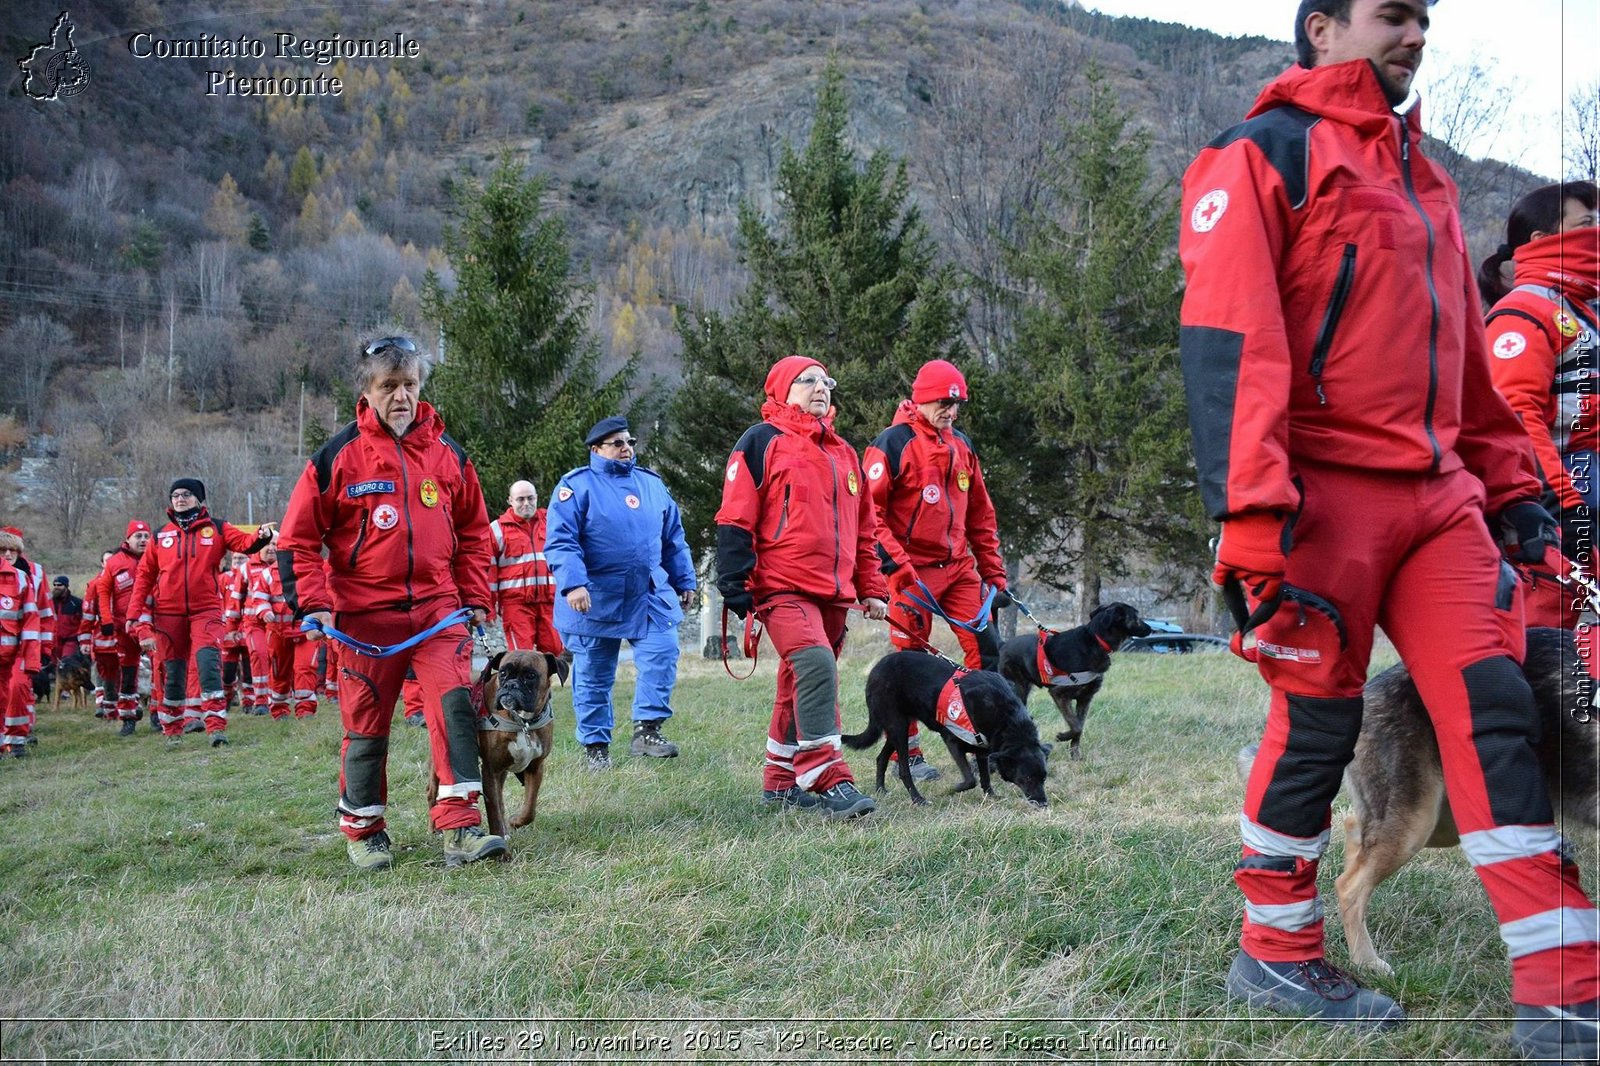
column 198, row 902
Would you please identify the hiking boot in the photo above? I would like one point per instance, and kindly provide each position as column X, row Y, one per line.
column 128, row 726
column 415, row 718
column 370, row 852
column 793, row 798
column 1311, row 988
column 192, row 727
column 597, row 757
column 647, row 740
column 20, row 751
column 1556, row 1034
column 922, row 769
column 844, row 800
column 218, row 739
column 175, row 741
column 469, row 844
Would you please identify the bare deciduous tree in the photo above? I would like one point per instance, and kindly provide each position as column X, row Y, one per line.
column 1580, row 142
column 987, row 152
column 1468, row 112
column 30, row 349
column 72, row 476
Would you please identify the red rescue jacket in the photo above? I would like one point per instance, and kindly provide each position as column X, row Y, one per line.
column 796, row 515
column 403, row 521
column 181, row 571
column 116, row 581
column 20, row 627
column 932, row 504
column 1543, row 337
column 520, row 575
column 1331, row 313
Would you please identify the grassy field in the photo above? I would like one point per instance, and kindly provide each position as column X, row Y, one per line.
column 196, row 905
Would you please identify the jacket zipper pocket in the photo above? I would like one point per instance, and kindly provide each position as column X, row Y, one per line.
column 783, row 516
column 361, row 536
column 1330, row 319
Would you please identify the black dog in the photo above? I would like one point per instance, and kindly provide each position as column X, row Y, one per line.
column 1076, row 662
column 905, row 686
column 44, row 682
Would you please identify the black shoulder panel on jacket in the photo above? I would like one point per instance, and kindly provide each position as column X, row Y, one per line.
column 753, row 443
column 455, row 446
column 1282, row 134
column 892, row 443
column 323, row 460
column 1517, row 312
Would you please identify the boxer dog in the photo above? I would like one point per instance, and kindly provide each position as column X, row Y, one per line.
column 515, row 729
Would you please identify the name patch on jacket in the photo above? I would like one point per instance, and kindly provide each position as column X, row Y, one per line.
column 367, row 488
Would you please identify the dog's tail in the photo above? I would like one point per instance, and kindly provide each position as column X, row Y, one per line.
column 868, row 736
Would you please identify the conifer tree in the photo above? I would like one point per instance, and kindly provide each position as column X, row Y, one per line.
column 520, row 381
column 1101, row 429
column 845, row 274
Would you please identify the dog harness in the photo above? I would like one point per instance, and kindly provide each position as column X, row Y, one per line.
column 951, row 713
column 526, row 747
column 1047, row 674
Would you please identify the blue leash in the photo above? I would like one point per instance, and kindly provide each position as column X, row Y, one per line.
column 377, row 651
column 979, row 622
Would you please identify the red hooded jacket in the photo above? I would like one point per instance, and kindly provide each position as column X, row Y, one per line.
column 403, row 521
column 1331, row 312
column 1542, row 335
column 796, row 515
column 932, row 503
column 181, row 571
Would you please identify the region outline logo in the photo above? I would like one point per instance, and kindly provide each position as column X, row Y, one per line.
column 55, row 69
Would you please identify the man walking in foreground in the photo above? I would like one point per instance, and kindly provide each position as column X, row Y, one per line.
column 1350, row 442
column 398, row 507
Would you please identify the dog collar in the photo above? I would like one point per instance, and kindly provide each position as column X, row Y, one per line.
column 494, row 722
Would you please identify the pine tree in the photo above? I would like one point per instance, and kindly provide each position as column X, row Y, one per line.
column 520, row 382
column 1101, row 430
column 846, row 275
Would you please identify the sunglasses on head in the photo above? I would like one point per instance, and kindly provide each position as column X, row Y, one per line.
column 383, row 344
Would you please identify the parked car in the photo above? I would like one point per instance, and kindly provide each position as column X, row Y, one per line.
column 1163, row 625
column 1175, row 643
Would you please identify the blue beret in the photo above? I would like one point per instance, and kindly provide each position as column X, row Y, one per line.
column 604, row 428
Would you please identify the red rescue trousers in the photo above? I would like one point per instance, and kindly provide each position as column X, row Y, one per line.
column 180, row 639
column 530, row 626
column 368, row 688
column 803, row 740
column 1410, row 553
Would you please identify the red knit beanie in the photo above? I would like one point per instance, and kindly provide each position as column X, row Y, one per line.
column 783, row 373
column 938, row 380
column 137, row 525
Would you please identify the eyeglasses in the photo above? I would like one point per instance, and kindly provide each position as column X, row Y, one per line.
column 620, row 442
column 184, row 493
column 811, row 381
column 948, row 402
column 404, row 344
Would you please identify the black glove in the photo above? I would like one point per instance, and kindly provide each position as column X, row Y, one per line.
column 1527, row 529
column 740, row 603
column 107, row 629
column 1577, row 534
column 1003, row 598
